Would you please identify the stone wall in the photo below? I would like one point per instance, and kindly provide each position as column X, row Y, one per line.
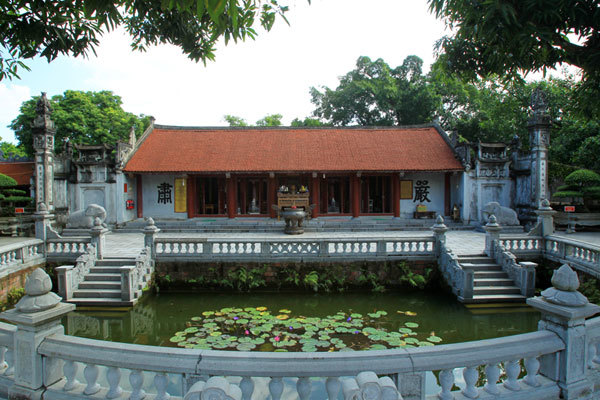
column 293, row 275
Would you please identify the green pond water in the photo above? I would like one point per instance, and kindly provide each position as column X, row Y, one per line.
column 156, row 319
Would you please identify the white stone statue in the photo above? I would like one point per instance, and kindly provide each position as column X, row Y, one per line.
column 84, row 219
column 504, row 215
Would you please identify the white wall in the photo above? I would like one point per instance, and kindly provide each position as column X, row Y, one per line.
column 151, row 206
column 436, row 193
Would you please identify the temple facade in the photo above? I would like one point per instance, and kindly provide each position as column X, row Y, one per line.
column 182, row 172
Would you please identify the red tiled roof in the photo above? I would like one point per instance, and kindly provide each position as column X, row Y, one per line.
column 19, row 171
column 175, row 149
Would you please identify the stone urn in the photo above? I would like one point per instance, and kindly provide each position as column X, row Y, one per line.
column 294, row 217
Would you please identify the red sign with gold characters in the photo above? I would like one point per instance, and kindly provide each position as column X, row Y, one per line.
column 19, row 210
column 569, row 208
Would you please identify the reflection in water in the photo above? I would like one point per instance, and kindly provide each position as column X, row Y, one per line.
column 156, row 317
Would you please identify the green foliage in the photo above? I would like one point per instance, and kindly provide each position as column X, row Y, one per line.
column 52, row 28
column 510, row 37
column 12, row 297
column 81, row 117
column 375, row 94
column 233, row 120
column 245, row 279
column 580, row 183
column 270, row 120
column 583, row 178
column 311, row 280
column 9, row 150
column 7, row 181
column 308, row 122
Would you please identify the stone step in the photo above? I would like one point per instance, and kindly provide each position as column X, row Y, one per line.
column 478, row 282
column 117, row 262
column 97, row 302
column 497, row 298
column 106, row 270
column 489, row 274
column 482, row 267
column 102, row 277
column 100, row 285
column 497, row 290
column 97, row 293
column 476, row 260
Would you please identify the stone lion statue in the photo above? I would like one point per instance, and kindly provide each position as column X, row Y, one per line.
column 504, row 215
column 84, row 219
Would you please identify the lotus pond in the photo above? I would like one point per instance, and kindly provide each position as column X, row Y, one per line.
column 299, row 321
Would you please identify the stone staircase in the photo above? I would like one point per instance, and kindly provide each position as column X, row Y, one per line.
column 102, row 285
column 490, row 283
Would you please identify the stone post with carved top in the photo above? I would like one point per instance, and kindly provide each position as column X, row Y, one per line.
column 37, row 315
column 43, row 143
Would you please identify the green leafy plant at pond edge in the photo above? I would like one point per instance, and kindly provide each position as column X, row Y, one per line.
column 255, row 328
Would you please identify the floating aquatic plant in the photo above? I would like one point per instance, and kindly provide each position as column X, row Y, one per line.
column 256, row 329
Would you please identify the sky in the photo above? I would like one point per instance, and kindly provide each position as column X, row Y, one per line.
column 270, row 75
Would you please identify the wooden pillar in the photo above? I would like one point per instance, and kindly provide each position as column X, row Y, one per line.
column 355, row 196
column 231, row 197
column 139, row 196
column 396, row 195
column 314, row 195
column 447, row 187
column 191, row 196
column 271, row 195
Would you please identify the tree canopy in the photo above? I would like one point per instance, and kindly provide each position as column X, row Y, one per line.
column 52, row 28
column 375, row 94
column 506, row 37
column 81, row 117
column 267, row 120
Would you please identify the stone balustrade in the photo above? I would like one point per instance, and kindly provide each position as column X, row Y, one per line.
column 70, row 276
column 135, row 278
column 27, row 253
column 521, row 273
column 186, row 249
column 458, row 278
column 523, row 245
column 582, row 256
column 66, row 249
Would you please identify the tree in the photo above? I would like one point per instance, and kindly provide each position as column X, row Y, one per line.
column 81, row 117
column 582, row 183
column 9, row 150
column 270, row 120
column 307, row 122
column 507, row 37
column 52, row 28
column 375, row 94
column 267, row 120
column 11, row 196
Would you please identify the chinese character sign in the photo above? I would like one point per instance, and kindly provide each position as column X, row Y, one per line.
column 421, row 191
column 164, row 193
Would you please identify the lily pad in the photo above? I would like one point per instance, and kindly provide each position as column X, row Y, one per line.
column 411, row 324
column 434, row 339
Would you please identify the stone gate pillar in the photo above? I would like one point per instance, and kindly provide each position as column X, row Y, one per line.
column 43, row 143
column 539, row 139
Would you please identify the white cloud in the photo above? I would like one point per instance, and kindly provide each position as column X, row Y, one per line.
column 11, row 97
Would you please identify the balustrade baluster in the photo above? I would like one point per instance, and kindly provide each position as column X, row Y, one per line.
column 70, row 370
column 2, row 362
column 492, row 373
column 446, row 383
column 136, row 379
column 160, row 383
column 470, row 374
column 247, row 386
column 90, row 373
column 532, row 366
column 596, row 359
column 276, row 388
column 113, row 377
column 303, row 386
column 512, row 368
column 333, row 386
column 10, row 361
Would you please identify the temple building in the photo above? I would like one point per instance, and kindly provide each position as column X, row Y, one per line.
column 188, row 172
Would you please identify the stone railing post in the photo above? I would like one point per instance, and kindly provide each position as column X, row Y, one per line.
column 98, row 233
column 439, row 234
column 127, row 284
column 42, row 222
column 150, row 232
column 65, row 281
column 492, row 233
column 564, row 311
column 37, row 315
column 545, row 224
column 528, row 278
